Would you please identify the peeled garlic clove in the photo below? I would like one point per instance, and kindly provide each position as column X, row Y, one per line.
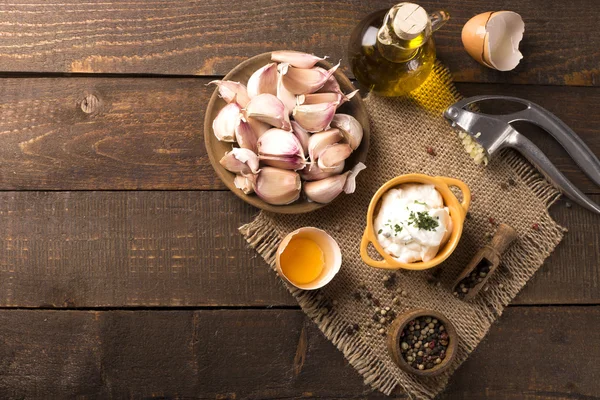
column 333, row 155
column 226, row 121
column 325, row 190
column 302, row 81
column 269, row 109
column 230, row 90
column 320, row 141
column 283, row 162
column 350, row 128
column 296, row 58
column 279, row 143
column 245, row 183
column 240, row 161
column 314, row 173
column 314, row 117
column 492, row 39
column 245, row 136
column 278, row 186
column 302, row 135
column 258, row 127
column 287, row 98
column 263, row 80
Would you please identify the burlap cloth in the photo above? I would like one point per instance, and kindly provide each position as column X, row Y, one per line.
column 401, row 129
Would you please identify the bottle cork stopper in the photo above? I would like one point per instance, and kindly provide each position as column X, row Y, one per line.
column 410, row 20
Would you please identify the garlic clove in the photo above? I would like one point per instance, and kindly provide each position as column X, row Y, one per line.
column 350, row 128
column 316, row 98
column 333, row 155
column 258, row 127
column 226, row 121
column 245, row 136
column 302, row 135
column 263, row 80
column 284, row 162
column 314, row 117
column 296, row 58
column 331, row 85
column 230, row 90
column 287, row 98
column 325, row 190
column 245, row 183
column 279, row 143
column 278, row 186
column 240, row 161
column 319, row 142
column 302, row 81
column 314, row 173
column 269, row 109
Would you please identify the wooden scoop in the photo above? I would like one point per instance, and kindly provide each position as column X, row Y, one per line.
column 484, row 264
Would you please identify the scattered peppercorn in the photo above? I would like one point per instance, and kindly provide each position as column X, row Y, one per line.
column 469, row 216
column 389, row 281
column 535, row 227
column 504, row 186
column 512, row 182
column 492, row 220
column 357, row 296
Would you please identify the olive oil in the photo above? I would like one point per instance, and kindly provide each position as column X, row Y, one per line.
column 393, row 52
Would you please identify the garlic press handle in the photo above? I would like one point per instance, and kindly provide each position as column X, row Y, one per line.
column 568, row 139
column 547, row 168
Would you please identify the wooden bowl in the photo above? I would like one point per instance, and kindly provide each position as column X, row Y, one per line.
column 216, row 149
column 394, row 340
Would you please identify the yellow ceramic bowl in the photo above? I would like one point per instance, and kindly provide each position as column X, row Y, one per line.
column 458, row 212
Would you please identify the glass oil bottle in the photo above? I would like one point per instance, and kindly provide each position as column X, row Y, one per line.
column 392, row 51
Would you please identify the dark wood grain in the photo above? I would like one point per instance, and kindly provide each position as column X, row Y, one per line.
column 146, row 133
column 140, row 249
column 561, row 43
column 253, row 354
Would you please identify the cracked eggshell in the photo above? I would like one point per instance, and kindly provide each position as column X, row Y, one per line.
column 331, row 253
column 492, row 39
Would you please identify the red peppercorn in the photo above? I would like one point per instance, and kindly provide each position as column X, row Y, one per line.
column 432, row 344
column 492, row 220
column 431, row 151
column 444, row 336
column 535, row 227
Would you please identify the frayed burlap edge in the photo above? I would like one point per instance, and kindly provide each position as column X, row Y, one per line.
column 261, row 234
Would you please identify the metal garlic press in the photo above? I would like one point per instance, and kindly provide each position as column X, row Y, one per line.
column 495, row 132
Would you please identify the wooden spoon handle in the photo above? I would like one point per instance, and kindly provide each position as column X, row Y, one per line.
column 503, row 238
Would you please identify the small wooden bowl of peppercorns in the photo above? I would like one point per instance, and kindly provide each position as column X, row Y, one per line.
column 422, row 342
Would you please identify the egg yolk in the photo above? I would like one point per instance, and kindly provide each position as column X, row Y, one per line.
column 302, row 260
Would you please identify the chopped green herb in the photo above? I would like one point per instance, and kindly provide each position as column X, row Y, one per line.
column 379, row 232
column 420, row 202
column 422, row 220
column 397, row 228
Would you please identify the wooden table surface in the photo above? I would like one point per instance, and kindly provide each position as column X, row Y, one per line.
column 122, row 273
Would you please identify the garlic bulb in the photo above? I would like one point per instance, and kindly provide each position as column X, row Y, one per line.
column 296, row 58
column 230, row 91
column 263, row 80
column 269, row 109
column 350, row 128
column 245, row 136
column 278, row 186
column 314, row 173
column 245, row 183
column 240, row 161
column 314, row 117
column 333, row 155
column 284, row 162
column 279, row 143
column 302, row 135
column 226, row 121
column 319, row 142
column 288, row 99
column 302, row 81
column 325, row 190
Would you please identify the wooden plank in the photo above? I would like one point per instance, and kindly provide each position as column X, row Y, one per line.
column 147, row 133
column 139, row 249
column 209, row 38
column 257, row 353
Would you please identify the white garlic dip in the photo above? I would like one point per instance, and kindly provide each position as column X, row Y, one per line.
column 412, row 222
